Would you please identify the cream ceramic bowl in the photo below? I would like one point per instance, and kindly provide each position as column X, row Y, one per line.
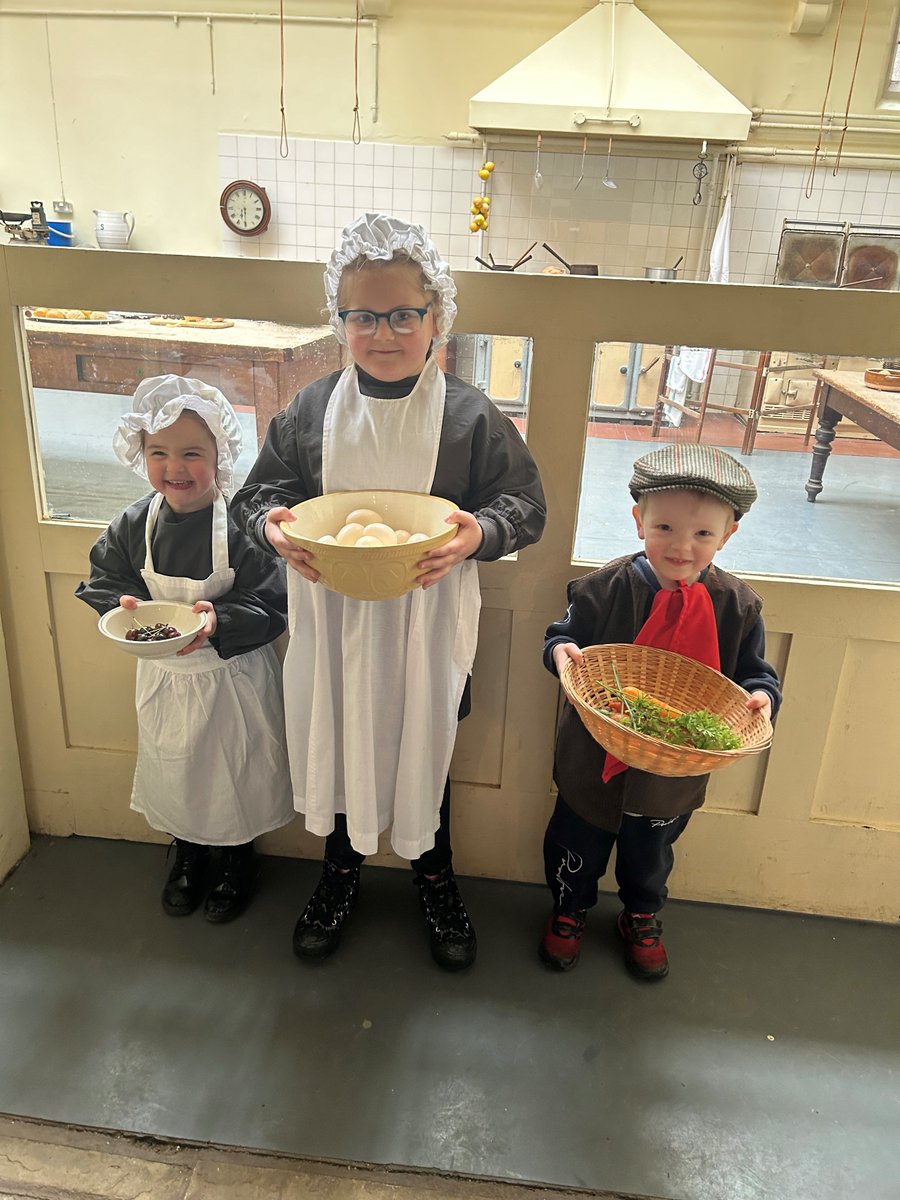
column 116, row 623
column 370, row 572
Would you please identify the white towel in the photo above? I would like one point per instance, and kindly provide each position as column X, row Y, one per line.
column 720, row 251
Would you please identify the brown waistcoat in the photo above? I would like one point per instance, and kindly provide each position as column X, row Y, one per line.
column 614, row 602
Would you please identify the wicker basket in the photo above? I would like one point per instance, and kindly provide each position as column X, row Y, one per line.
column 680, row 682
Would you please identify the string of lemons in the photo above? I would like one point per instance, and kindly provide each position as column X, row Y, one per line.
column 481, row 205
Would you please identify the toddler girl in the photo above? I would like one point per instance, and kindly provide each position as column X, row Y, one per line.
column 212, row 763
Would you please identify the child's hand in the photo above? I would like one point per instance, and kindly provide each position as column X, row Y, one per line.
column 565, row 651
column 128, row 601
column 761, row 700
column 441, row 562
column 206, row 632
column 294, row 556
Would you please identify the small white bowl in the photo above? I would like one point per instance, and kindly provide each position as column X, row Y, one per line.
column 370, row 572
column 115, row 624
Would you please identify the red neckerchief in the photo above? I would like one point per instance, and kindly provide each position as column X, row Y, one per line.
column 681, row 620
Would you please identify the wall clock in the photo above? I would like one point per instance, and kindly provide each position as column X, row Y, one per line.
column 245, row 208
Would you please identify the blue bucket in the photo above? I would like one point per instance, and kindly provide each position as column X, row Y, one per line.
column 60, row 233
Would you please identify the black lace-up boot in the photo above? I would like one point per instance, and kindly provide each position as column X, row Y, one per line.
column 234, row 884
column 318, row 931
column 453, row 943
column 184, row 887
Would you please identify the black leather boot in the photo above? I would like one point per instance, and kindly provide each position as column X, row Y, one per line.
column 184, row 887
column 234, row 883
column 453, row 944
column 318, row 931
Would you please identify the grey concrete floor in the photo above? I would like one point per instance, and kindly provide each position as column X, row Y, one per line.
column 765, row 1067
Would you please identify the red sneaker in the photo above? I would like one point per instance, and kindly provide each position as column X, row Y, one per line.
column 645, row 954
column 560, row 946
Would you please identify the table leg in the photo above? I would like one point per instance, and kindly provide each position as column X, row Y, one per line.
column 828, row 419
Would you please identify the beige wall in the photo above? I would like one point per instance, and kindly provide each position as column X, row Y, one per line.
column 137, row 115
column 811, row 826
column 13, row 824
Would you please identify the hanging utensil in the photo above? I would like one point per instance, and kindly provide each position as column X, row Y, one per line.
column 538, row 177
column 606, row 181
column 581, row 176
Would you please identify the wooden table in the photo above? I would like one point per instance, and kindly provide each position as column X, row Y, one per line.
column 257, row 364
column 845, row 394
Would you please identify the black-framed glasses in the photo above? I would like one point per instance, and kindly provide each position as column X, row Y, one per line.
column 401, row 320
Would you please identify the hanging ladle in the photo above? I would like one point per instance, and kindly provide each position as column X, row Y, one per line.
column 581, row 176
column 538, row 177
column 606, row 181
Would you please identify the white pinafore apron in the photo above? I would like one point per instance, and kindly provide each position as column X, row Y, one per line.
column 372, row 688
column 212, row 763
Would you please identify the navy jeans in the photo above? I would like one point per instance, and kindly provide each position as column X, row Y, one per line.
column 576, row 855
column 339, row 851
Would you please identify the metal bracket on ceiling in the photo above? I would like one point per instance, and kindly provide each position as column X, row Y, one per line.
column 811, row 16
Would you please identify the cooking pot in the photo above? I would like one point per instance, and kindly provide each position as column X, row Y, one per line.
column 495, row 266
column 574, row 268
column 663, row 272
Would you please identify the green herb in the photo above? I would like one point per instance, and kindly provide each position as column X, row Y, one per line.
column 700, row 730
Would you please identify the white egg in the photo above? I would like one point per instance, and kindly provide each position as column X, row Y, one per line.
column 363, row 516
column 383, row 532
column 368, row 540
column 417, row 537
column 329, row 540
column 402, row 536
column 349, row 535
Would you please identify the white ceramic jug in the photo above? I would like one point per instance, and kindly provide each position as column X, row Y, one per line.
column 113, row 230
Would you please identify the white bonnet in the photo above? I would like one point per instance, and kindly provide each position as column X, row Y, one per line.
column 376, row 236
column 159, row 402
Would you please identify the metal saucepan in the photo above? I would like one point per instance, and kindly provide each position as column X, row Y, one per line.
column 663, row 272
column 574, row 268
column 495, row 266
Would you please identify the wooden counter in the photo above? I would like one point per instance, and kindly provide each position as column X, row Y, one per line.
column 257, row 364
column 846, row 394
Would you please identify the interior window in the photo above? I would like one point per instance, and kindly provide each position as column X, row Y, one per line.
column 819, row 433
column 86, row 365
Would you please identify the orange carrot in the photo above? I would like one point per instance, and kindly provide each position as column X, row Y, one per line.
column 633, row 693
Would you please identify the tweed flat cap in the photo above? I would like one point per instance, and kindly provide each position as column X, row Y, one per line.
column 697, row 469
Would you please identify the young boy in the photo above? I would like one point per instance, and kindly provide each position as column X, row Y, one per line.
column 689, row 499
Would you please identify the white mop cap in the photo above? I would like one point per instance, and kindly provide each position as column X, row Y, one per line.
column 376, row 236
column 159, row 402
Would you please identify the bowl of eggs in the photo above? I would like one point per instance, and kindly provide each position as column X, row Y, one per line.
column 155, row 629
column 367, row 544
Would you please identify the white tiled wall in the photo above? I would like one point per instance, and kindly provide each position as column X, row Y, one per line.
column 765, row 195
column 649, row 219
column 324, row 185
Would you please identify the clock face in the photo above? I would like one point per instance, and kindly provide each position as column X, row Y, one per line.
column 245, row 208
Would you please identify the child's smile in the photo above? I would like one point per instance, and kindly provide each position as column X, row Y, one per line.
column 682, row 531
column 181, row 463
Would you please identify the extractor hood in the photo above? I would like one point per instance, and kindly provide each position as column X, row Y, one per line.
column 611, row 72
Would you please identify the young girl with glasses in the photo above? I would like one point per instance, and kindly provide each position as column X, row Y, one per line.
column 360, row 676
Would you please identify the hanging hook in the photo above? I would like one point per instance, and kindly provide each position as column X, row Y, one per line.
column 700, row 171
